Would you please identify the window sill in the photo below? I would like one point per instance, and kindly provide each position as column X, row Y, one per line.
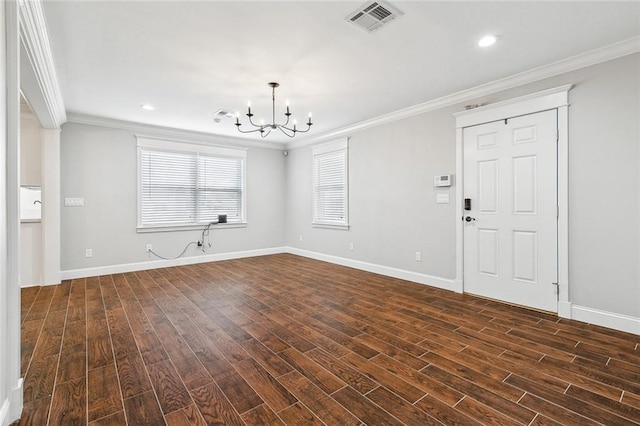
column 175, row 228
column 330, row 226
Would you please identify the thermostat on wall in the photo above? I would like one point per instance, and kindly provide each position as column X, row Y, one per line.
column 442, row 180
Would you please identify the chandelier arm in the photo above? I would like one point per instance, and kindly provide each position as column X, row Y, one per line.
column 252, row 123
column 249, row 131
column 301, row 131
column 293, row 131
column 284, row 130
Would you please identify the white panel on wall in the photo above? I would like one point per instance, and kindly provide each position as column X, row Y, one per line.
column 525, row 185
column 488, row 251
column 525, row 256
column 488, row 186
column 488, row 140
column 525, row 134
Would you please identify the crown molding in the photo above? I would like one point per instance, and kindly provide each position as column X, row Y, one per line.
column 583, row 60
column 150, row 130
column 41, row 84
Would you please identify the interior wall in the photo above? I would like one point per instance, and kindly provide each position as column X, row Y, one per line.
column 392, row 201
column 99, row 165
column 605, row 226
column 30, row 174
column 393, row 212
column 393, row 209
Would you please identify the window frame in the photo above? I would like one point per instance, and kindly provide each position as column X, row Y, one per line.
column 167, row 145
column 318, row 151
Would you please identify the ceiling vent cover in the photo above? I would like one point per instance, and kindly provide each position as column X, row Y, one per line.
column 373, row 15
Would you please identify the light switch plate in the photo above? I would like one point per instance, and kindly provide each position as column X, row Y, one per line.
column 74, row 202
column 442, row 198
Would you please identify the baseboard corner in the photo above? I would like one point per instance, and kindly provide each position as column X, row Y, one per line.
column 11, row 409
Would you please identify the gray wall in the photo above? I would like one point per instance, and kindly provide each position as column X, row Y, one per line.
column 392, row 209
column 604, row 137
column 393, row 212
column 99, row 164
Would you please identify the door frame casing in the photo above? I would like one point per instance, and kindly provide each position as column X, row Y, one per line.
column 556, row 98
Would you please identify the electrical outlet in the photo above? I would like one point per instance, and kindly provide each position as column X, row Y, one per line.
column 351, row 246
column 149, row 247
column 88, row 253
column 418, row 256
column 300, row 238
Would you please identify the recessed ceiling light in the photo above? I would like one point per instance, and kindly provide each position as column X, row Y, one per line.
column 487, row 41
column 147, row 107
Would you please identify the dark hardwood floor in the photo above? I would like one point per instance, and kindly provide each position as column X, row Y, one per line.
column 288, row 340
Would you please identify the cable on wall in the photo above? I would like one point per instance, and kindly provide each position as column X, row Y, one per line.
column 178, row 256
column 206, row 233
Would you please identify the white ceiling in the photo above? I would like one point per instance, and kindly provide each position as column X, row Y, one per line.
column 191, row 58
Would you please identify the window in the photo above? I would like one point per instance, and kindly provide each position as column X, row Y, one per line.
column 330, row 185
column 182, row 184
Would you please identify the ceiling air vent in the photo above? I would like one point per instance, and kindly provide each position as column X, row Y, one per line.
column 373, row 15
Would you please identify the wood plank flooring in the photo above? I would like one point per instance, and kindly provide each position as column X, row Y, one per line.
column 288, row 340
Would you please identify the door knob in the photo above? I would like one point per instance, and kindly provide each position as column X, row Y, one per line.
column 469, row 219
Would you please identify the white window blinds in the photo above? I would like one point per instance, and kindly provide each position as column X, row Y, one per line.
column 330, row 184
column 168, row 188
column 220, row 185
column 182, row 188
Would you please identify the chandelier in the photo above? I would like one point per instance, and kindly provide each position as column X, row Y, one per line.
column 266, row 128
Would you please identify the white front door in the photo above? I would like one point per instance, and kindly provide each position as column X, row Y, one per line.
column 510, row 229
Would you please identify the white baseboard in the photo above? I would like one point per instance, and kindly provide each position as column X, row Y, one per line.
column 4, row 412
column 153, row 264
column 12, row 406
column 443, row 283
column 564, row 310
column 607, row 319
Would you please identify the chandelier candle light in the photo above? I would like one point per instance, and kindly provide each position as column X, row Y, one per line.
column 265, row 129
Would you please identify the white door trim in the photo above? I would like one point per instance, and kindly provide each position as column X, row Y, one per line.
column 555, row 98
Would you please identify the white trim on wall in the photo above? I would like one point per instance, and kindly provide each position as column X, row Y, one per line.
column 153, row 264
column 12, row 382
column 554, row 98
column 151, row 131
column 39, row 79
column 563, row 207
column 593, row 57
column 459, row 194
column 602, row 318
column 189, row 146
column 544, row 100
column 403, row 274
